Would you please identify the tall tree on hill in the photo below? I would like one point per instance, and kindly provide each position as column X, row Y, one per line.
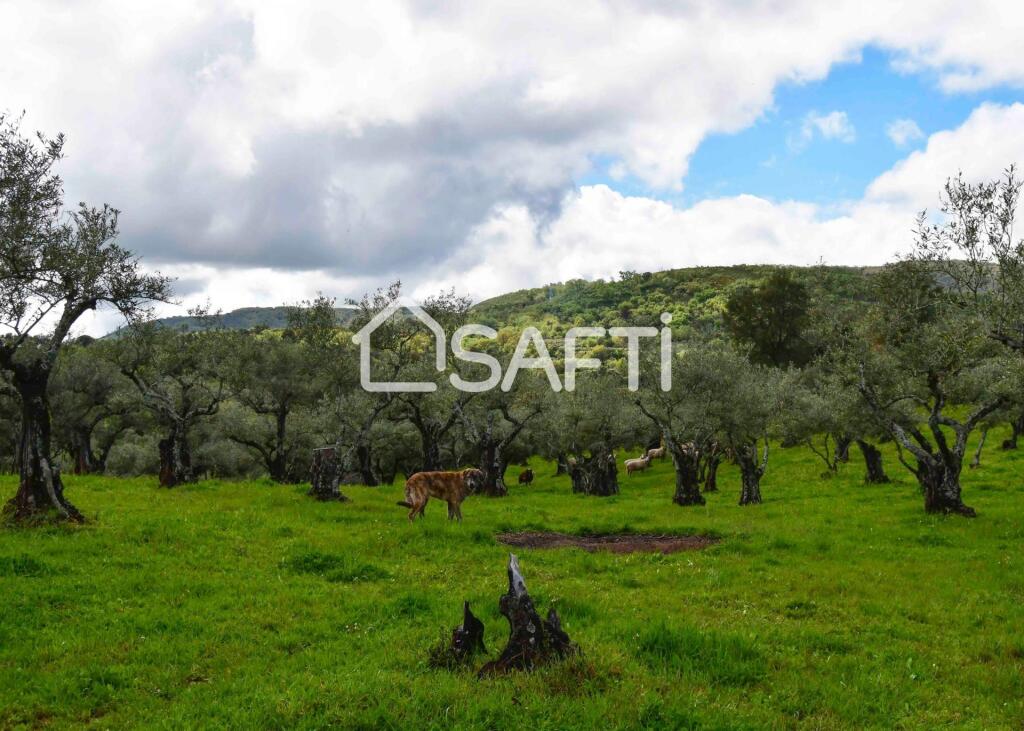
column 770, row 319
column 55, row 266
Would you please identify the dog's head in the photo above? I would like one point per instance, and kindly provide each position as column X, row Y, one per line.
column 472, row 480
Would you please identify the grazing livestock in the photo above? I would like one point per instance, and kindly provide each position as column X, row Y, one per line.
column 526, row 477
column 638, row 465
column 452, row 487
column 658, row 453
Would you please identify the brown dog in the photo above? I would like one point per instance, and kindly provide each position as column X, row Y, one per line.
column 452, row 487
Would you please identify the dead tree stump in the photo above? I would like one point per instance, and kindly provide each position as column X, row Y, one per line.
column 325, row 474
column 467, row 640
column 531, row 641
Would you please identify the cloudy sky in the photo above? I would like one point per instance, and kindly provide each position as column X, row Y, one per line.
column 261, row 152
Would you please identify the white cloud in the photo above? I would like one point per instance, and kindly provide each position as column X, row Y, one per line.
column 903, row 131
column 374, row 140
column 835, row 125
column 601, row 232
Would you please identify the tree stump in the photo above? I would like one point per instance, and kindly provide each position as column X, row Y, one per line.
column 531, row 641
column 325, row 474
column 595, row 475
column 467, row 640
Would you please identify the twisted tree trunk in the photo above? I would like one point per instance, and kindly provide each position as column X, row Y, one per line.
column 1016, row 430
column 596, row 474
column 751, row 472
column 842, row 453
column 81, row 446
column 711, row 463
column 365, row 461
column 685, row 459
column 976, row 459
column 40, row 489
column 176, row 458
column 494, row 465
column 561, row 464
column 940, row 483
column 875, row 473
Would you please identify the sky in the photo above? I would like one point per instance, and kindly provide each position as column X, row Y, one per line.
column 264, row 152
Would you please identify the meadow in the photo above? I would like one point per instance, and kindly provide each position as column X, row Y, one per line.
column 249, row 605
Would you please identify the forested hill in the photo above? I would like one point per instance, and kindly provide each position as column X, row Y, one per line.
column 696, row 293
column 245, row 318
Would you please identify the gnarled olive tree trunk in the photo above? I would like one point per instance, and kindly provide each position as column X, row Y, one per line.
column 596, row 474
column 493, row 464
column 40, row 490
column 751, row 472
column 940, row 483
column 874, row 471
column 1016, row 431
column 709, row 468
column 176, row 458
column 685, row 459
column 81, row 447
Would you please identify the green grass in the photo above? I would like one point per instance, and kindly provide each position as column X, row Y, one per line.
column 249, row 605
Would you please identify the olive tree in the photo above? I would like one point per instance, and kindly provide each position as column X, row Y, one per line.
column 277, row 382
column 92, row 404
column 492, row 423
column 923, row 351
column 181, row 380
column 974, row 252
column 55, row 265
column 736, row 402
column 589, row 423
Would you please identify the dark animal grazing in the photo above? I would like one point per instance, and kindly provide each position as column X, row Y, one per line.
column 452, row 487
column 526, row 477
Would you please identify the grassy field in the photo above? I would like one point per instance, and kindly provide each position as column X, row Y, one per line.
column 248, row 605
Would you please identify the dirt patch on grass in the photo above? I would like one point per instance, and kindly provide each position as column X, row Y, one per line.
column 616, row 543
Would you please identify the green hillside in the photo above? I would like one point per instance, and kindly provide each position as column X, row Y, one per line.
column 696, row 293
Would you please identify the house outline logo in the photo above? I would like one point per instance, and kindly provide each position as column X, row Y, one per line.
column 362, row 339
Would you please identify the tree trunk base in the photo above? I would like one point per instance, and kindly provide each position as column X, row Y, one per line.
column 961, row 509
column 36, row 504
column 325, row 475
column 532, row 641
column 467, row 641
column 595, row 475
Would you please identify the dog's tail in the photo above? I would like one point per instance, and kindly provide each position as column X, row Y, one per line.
column 404, row 504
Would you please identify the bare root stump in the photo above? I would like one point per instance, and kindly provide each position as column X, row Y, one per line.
column 616, row 543
column 324, row 475
column 531, row 641
column 467, row 640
